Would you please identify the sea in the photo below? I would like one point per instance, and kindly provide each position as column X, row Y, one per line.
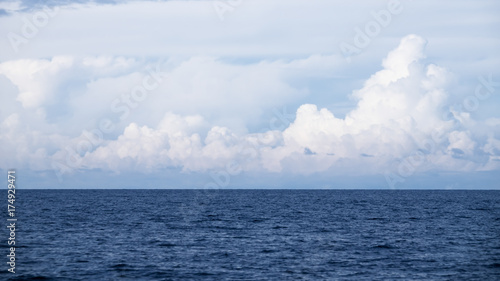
column 255, row 235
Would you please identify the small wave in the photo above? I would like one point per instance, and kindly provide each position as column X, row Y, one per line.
column 480, row 209
column 204, row 274
column 279, row 227
column 267, row 251
column 29, row 278
column 495, row 265
column 383, row 246
column 121, row 267
column 167, row 245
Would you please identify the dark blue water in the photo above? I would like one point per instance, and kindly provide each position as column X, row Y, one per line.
column 256, row 235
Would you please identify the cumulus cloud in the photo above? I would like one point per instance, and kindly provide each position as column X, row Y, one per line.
column 399, row 112
column 175, row 142
column 31, row 77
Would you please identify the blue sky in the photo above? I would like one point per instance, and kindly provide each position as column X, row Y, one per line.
column 250, row 94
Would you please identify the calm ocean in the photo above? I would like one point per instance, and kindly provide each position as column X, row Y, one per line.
column 255, row 235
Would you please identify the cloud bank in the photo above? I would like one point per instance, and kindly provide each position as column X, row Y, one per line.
column 185, row 91
column 402, row 115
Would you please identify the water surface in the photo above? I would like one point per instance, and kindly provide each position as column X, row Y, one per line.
column 256, row 235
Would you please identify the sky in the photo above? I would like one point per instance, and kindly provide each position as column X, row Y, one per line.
column 251, row 94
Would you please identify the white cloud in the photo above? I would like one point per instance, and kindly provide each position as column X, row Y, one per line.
column 11, row 6
column 398, row 108
column 399, row 112
column 197, row 117
column 32, row 78
column 219, row 82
